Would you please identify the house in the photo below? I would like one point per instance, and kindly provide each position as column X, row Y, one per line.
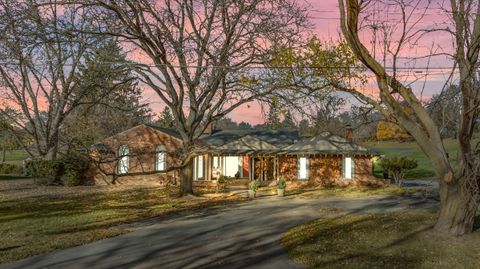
column 145, row 153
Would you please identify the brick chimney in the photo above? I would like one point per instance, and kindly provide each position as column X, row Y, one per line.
column 210, row 128
column 349, row 132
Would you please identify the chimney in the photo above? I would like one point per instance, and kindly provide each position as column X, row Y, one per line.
column 349, row 132
column 210, row 128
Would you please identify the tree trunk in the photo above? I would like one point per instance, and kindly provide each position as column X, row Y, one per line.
column 4, row 153
column 457, row 211
column 186, row 178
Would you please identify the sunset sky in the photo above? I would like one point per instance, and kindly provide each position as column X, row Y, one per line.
column 325, row 17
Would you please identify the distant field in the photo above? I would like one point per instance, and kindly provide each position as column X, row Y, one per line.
column 16, row 156
column 411, row 150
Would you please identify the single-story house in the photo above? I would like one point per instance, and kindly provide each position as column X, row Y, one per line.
column 144, row 153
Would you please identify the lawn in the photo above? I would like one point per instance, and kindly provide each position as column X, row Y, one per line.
column 15, row 157
column 42, row 219
column 389, row 240
column 411, row 150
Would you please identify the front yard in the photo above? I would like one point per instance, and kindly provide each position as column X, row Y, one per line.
column 387, row 240
column 36, row 219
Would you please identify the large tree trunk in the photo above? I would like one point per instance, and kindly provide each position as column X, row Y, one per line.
column 186, row 178
column 457, row 210
column 4, row 152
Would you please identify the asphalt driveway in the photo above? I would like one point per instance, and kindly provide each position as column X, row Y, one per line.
column 245, row 235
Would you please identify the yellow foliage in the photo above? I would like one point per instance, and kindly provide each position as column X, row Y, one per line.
column 390, row 130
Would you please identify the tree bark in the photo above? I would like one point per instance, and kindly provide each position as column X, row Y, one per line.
column 186, row 178
column 457, row 211
column 4, row 152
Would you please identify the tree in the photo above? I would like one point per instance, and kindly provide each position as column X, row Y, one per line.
column 200, row 56
column 459, row 185
column 397, row 167
column 441, row 108
column 42, row 48
column 166, row 119
column 288, row 123
column 110, row 107
column 390, row 130
column 244, row 126
column 272, row 122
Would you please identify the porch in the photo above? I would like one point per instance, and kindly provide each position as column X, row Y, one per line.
column 210, row 167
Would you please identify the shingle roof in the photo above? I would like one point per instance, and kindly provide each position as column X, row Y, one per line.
column 325, row 143
column 277, row 138
column 168, row 131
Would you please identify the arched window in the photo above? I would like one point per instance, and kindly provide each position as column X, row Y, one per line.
column 123, row 159
column 161, row 158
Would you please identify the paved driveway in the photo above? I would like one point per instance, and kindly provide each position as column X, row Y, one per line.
column 238, row 236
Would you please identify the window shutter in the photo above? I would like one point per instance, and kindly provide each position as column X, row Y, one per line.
column 298, row 168
column 307, row 160
column 343, row 167
column 353, row 168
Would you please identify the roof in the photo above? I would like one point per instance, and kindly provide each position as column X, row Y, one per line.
column 167, row 131
column 325, row 143
column 277, row 138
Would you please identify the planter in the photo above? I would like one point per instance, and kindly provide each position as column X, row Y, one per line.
column 251, row 194
column 281, row 192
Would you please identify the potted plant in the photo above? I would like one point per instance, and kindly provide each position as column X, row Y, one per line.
column 281, row 186
column 252, row 189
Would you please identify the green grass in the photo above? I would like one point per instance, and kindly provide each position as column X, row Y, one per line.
column 15, row 157
column 413, row 151
column 388, row 240
column 356, row 192
column 31, row 226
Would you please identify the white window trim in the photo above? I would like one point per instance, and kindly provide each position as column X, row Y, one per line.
column 161, row 166
column 348, row 169
column 124, row 160
column 300, row 168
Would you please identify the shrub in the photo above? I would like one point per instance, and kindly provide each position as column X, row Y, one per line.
column 6, row 168
column 44, row 172
column 397, row 167
column 253, row 185
column 281, row 184
column 221, row 183
column 67, row 170
column 72, row 168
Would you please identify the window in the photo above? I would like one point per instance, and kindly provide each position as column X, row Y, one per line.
column 232, row 165
column 348, row 168
column 161, row 158
column 198, row 168
column 123, row 161
column 216, row 167
column 302, row 168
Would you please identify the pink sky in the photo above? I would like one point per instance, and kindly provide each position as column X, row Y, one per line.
column 325, row 15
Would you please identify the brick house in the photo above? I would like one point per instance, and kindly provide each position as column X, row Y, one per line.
column 143, row 154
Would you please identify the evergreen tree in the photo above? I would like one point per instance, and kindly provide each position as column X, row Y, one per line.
column 273, row 120
column 113, row 102
column 166, row 119
column 288, row 123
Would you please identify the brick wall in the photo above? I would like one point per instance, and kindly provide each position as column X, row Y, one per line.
column 327, row 171
column 142, row 142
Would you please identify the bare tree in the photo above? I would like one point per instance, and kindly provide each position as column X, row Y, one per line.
column 459, row 190
column 41, row 51
column 200, row 56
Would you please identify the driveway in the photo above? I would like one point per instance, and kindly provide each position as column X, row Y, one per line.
column 245, row 235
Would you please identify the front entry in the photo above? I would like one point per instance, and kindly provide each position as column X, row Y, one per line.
column 264, row 168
